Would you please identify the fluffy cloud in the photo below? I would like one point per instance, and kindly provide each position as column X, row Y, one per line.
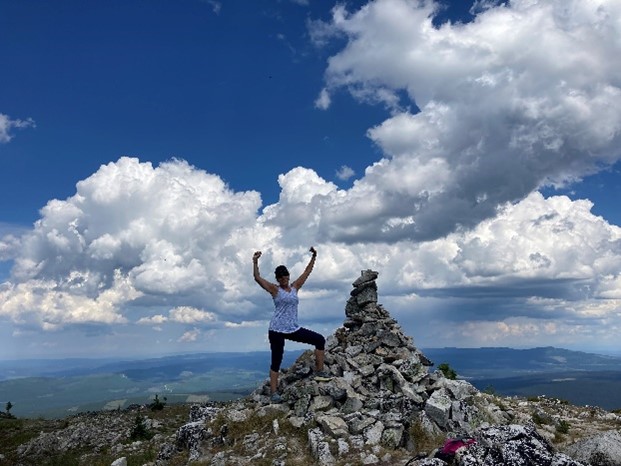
column 45, row 303
column 181, row 314
column 551, row 248
column 172, row 234
column 136, row 239
column 500, row 114
column 7, row 124
column 9, row 241
column 186, row 315
column 324, row 100
column 345, row 173
column 190, row 335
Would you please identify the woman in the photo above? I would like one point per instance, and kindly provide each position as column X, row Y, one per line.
column 284, row 324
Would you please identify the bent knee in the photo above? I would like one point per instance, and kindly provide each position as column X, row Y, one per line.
column 321, row 343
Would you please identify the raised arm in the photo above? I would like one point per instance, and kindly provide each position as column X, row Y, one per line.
column 297, row 284
column 263, row 283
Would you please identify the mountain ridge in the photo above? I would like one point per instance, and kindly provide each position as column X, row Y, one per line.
column 229, row 375
column 467, row 360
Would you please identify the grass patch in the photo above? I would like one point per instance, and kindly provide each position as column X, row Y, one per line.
column 424, row 441
column 539, row 420
column 15, row 432
column 562, row 427
column 558, row 438
column 240, row 438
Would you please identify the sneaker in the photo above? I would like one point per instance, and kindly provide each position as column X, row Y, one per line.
column 322, row 376
column 276, row 398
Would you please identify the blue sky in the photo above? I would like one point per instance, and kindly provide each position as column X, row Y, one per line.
column 187, row 79
column 149, row 147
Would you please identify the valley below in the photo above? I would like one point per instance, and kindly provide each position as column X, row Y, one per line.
column 58, row 388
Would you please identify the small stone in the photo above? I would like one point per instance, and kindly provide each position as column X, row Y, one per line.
column 333, row 425
column 373, row 435
column 365, row 276
column 321, row 403
column 370, row 459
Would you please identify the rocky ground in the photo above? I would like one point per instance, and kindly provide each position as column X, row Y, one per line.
column 385, row 404
column 93, row 438
column 267, row 434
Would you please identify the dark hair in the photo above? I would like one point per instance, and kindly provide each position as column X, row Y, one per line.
column 281, row 271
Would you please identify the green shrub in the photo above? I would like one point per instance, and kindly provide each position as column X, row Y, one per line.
column 562, row 427
column 537, row 419
column 157, row 404
column 490, row 390
column 448, row 372
column 9, row 405
column 140, row 431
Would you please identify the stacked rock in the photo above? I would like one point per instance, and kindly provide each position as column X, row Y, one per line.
column 381, row 383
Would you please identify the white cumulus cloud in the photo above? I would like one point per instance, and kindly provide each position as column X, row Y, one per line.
column 190, row 315
column 501, row 113
column 7, row 124
column 345, row 172
column 190, row 336
column 163, row 231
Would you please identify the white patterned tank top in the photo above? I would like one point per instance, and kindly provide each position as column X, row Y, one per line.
column 285, row 318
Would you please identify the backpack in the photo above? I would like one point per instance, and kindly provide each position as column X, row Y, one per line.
column 450, row 447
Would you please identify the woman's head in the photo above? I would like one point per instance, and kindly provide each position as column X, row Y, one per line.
column 281, row 271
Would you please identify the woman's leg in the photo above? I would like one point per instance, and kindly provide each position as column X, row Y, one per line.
column 277, row 345
column 273, row 381
column 304, row 335
column 319, row 355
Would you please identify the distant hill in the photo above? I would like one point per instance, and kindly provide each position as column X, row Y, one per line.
column 582, row 388
column 56, row 388
column 579, row 377
column 163, row 368
column 508, row 362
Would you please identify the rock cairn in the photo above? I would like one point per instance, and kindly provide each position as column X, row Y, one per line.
column 381, row 385
column 382, row 397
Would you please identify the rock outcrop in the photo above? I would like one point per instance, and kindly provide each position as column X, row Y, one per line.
column 603, row 449
column 506, row 445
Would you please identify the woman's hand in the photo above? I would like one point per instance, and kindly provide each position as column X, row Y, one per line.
column 263, row 283
column 297, row 284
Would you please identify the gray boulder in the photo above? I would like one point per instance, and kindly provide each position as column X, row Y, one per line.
column 600, row 450
column 512, row 445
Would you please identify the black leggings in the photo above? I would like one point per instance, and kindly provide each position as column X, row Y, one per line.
column 302, row 335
